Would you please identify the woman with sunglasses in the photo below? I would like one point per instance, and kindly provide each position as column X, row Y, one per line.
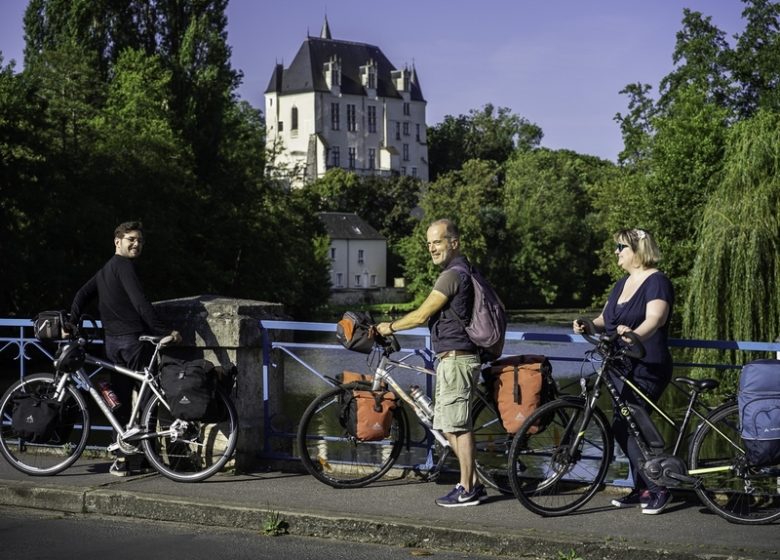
column 640, row 302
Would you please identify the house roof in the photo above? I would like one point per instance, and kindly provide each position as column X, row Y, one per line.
column 346, row 225
column 306, row 73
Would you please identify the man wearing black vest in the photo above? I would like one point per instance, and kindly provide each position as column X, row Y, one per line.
column 447, row 310
column 125, row 314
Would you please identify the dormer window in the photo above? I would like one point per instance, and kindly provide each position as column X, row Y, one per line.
column 401, row 79
column 333, row 72
column 368, row 75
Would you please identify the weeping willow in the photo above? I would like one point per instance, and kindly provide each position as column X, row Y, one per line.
column 734, row 293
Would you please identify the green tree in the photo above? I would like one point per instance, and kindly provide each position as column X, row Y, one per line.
column 552, row 249
column 487, row 133
column 734, row 293
column 471, row 197
column 755, row 61
column 636, row 126
column 701, row 56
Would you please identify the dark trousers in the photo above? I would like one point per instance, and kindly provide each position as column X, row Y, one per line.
column 652, row 381
column 126, row 350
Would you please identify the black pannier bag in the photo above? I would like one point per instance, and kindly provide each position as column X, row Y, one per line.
column 188, row 386
column 355, row 331
column 759, row 411
column 49, row 325
column 35, row 418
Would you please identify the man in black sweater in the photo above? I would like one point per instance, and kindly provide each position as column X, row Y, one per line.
column 126, row 314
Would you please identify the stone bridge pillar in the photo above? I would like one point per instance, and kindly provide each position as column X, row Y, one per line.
column 227, row 332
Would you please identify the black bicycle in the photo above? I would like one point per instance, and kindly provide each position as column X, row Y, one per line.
column 557, row 470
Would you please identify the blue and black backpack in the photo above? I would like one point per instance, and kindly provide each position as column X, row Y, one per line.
column 759, row 411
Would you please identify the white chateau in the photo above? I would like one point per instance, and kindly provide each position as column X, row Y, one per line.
column 343, row 104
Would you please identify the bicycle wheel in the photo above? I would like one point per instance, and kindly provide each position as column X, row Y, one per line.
column 547, row 475
column 492, row 445
column 333, row 456
column 66, row 442
column 190, row 451
column 740, row 494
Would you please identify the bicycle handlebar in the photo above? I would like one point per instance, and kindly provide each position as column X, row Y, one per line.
column 635, row 349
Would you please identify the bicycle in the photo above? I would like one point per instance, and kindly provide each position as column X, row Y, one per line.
column 335, row 457
column 559, row 469
column 184, row 451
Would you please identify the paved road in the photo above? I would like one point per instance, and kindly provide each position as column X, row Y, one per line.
column 395, row 512
column 44, row 535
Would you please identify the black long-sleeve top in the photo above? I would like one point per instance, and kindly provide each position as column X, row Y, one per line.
column 122, row 304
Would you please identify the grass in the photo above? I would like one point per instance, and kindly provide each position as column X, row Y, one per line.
column 274, row 525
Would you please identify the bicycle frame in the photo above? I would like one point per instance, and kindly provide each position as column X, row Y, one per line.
column 382, row 373
column 603, row 377
column 83, row 382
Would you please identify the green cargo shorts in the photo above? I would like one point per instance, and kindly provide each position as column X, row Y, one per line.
column 456, row 377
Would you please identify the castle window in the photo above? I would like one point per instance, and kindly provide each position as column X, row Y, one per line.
column 335, row 156
column 294, row 118
column 334, row 116
column 351, row 118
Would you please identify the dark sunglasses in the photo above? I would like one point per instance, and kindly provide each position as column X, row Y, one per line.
column 620, row 246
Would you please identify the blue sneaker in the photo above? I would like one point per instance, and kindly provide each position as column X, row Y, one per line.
column 458, row 497
column 658, row 502
column 481, row 491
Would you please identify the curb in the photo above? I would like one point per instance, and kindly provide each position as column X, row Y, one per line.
column 528, row 544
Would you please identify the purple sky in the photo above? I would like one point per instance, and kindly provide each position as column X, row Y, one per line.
column 558, row 63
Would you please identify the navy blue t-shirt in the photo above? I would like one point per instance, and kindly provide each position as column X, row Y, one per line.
column 632, row 314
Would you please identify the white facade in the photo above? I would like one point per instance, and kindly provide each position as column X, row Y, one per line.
column 358, row 263
column 336, row 106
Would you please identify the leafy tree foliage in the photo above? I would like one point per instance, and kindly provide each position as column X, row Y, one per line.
column 487, row 133
column 755, row 62
column 552, row 251
column 471, row 197
column 734, row 293
column 127, row 110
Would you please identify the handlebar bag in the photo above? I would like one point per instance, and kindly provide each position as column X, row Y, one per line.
column 189, row 387
column 355, row 331
column 520, row 385
column 48, row 325
column 759, row 411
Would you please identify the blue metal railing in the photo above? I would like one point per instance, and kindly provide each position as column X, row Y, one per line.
column 17, row 344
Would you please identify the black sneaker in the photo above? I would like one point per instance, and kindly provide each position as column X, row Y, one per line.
column 634, row 498
column 658, row 502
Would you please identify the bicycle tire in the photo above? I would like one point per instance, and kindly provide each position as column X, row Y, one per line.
column 545, row 476
column 333, row 456
column 67, row 441
column 199, row 449
column 491, row 445
column 742, row 494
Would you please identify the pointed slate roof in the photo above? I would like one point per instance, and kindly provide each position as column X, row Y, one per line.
column 347, row 225
column 306, row 72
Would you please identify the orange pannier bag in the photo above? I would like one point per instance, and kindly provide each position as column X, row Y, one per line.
column 521, row 384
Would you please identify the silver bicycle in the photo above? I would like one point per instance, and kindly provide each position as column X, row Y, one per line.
column 184, row 451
